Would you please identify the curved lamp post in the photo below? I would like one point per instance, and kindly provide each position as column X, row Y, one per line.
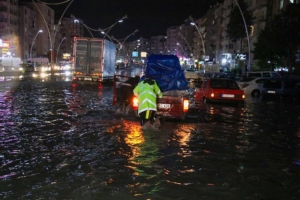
column 249, row 51
column 109, row 28
column 59, row 47
column 85, row 26
column 47, row 26
column 40, row 31
column 124, row 40
column 178, row 44
column 186, row 43
column 194, row 24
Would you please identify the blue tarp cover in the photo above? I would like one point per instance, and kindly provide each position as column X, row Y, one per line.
column 167, row 72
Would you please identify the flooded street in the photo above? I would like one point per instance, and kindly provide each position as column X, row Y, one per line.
column 59, row 140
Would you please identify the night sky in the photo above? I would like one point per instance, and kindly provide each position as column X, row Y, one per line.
column 150, row 17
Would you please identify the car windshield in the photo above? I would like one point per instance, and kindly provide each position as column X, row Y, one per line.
column 219, row 83
column 272, row 84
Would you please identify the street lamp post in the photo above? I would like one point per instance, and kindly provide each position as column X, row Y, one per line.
column 59, row 47
column 194, row 24
column 186, row 43
column 109, row 28
column 85, row 26
column 181, row 48
column 30, row 54
column 248, row 40
column 51, row 36
column 123, row 41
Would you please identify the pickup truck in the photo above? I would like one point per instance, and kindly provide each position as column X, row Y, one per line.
column 167, row 72
column 170, row 77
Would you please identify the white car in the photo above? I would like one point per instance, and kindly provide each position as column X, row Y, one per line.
column 252, row 86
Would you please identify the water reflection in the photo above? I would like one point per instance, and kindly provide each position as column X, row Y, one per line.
column 63, row 141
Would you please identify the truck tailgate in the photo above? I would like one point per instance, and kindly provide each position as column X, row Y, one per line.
column 171, row 106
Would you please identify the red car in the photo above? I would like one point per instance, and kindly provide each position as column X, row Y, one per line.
column 219, row 90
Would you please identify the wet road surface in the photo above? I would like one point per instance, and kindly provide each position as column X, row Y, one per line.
column 64, row 141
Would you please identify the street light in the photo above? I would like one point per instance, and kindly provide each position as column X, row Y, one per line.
column 194, row 24
column 186, row 43
column 181, row 48
column 40, row 31
column 58, row 47
column 124, row 40
column 109, row 28
column 85, row 26
column 248, row 67
column 48, row 29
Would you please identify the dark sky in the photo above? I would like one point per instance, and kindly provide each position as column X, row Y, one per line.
column 150, row 17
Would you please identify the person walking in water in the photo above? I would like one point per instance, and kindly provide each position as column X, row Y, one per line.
column 147, row 91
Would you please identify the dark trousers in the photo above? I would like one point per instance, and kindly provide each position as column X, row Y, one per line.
column 151, row 117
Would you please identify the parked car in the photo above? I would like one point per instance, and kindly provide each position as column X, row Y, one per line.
column 208, row 75
column 275, row 89
column 219, row 90
column 252, row 86
column 267, row 74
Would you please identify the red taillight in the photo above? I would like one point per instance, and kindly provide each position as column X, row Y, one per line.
column 186, row 105
column 245, row 85
column 135, row 103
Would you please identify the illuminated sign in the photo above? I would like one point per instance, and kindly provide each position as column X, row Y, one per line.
column 241, row 56
column 143, row 54
column 3, row 44
column 135, row 54
column 66, row 56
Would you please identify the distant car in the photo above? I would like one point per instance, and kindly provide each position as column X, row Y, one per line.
column 266, row 74
column 208, row 75
column 252, row 86
column 284, row 89
column 219, row 90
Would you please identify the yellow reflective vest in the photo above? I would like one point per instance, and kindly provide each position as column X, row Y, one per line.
column 147, row 94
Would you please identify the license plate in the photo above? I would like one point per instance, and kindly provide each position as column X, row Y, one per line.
column 87, row 79
column 271, row 92
column 228, row 95
column 163, row 105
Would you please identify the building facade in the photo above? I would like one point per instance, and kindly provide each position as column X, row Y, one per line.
column 9, row 28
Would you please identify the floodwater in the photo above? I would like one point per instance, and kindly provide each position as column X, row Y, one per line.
column 64, row 141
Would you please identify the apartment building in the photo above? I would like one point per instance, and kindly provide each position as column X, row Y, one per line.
column 28, row 32
column 198, row 39
column 45, row 42
column 185, row 39
column 158, row 44
column 212, row 28
column 137, row 50
column 9, row 29
column 172, row 39
column 68, row 29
